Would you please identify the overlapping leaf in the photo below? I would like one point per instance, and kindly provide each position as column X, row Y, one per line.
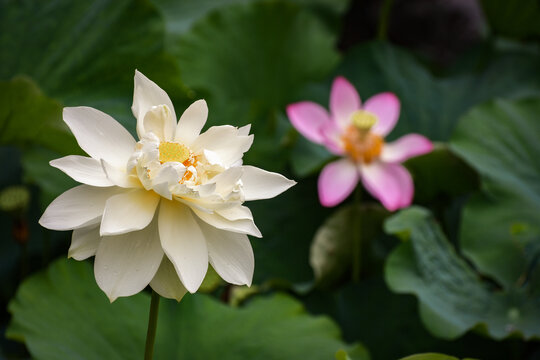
column 433, row 106
column 29, row 118
column 32, row 122
column 251, row 59
column 181, row 15
column 85, row 53
column 500, row 140
column 453, row 298
column 61, row 314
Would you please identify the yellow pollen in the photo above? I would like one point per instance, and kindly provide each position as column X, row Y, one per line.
column 363, row 120
column 362, row 145
column 192, row 161
column 169, row 151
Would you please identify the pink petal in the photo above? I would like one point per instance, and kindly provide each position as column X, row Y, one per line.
column 406, row 147
column 344, row 100
column 386, row 106
column 337, row 181
column 390, row 183
column 307, row 117
column 331, row 134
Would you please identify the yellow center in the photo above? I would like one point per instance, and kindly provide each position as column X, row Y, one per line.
column 169, row 151
column 363, row 120
column 360, row 144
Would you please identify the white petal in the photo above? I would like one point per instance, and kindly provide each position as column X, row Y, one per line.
column 224, row 140
column 212, row 157
column 99, row 135
column 230, row 254
column 191, row 122
column 77, row 207
column 166, row 281
column 184, row 243
column 129, row 211
column 82, row 169
column 84, row 242
column 244, row 130
column 163, row 190
column 119, row 176
column 262, row 184
column 243, row 226
column 168, row 175
column 236, row 213
column 207, row 204
column 142, row 175
column 227, row 180
column 207, row 189
column 145, row 95
column 126, row 263
column 159, row 120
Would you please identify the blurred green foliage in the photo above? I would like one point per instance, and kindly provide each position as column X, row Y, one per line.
column 76, row 314
column 500, row 140
column 469, row 256
column 453, row 298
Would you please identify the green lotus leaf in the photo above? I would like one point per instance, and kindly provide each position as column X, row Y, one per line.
column 61, row 314
column 453, row 298
column 500, row 140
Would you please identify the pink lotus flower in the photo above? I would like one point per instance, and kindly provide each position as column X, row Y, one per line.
column 356, row 132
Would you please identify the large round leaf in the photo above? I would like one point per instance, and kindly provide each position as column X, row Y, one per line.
column 453, row 298
column 61, row 314
column 28, row 117
column 432, row 106
column 371, row 302
column 32, row 122
column 181, row 15
column 500, row 140
column 251, row 59
column 85, row 53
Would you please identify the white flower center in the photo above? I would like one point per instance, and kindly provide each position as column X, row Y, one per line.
column 172, row 169
column 171, row 152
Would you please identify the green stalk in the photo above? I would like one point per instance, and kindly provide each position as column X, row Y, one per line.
column 152, row 325
column 384, row 17
column 356, row 222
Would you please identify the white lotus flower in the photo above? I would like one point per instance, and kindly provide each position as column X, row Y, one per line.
column 158, row 210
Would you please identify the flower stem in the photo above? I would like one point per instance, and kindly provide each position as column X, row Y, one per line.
column 382, row 33
column 152, row 325
column 357, row 235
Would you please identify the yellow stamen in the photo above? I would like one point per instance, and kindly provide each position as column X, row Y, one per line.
column 362, row 145
column 363, row 120
column 169, row 151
